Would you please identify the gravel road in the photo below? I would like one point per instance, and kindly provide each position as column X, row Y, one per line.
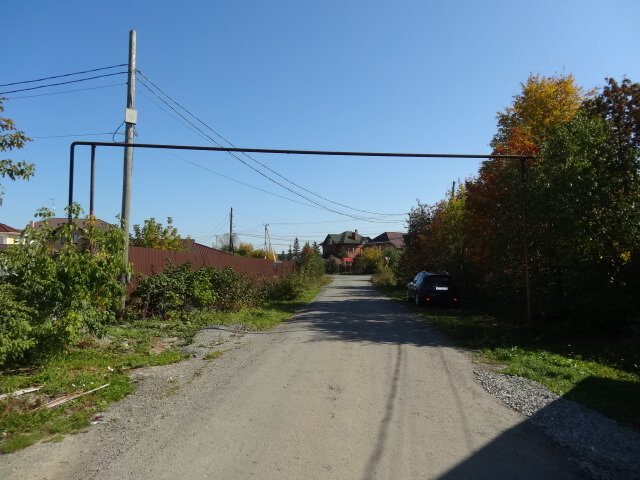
column 354, row 387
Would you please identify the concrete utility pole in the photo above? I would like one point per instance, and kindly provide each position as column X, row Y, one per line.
column 231, row 231
column 130, row 118
column 265, row 240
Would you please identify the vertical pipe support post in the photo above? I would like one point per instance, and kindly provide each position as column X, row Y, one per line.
column 92, row 181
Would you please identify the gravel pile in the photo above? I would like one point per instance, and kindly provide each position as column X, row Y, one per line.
column 604, row 449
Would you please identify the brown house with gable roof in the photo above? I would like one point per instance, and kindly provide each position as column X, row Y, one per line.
column 387, row 239
column 346, row 244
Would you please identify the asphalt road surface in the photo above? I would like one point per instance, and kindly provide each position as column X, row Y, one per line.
column 354, row 387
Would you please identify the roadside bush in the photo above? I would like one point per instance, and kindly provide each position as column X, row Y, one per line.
column 179, row 289
column 309, row 271
column 15, row 326
column 232, row 290
column 384, row 278
column 288, row 287
column 70, row 289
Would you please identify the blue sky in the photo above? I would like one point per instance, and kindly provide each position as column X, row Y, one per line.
column 412, row 76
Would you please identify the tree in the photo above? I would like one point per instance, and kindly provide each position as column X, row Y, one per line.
column 12, row 139
column 545, row 103
column 498, row 200
column 296, row 249
column 245, row 249
column 154, row 235
column 412, row 261
column 223, row 242
column 50, row 298
column 619, row 103
column 586, row 220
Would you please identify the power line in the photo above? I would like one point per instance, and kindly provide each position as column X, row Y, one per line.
column 77, row 135
column 66, row 91
column 260, row 163
column 324, row 207
column 198, row 132
column 238, row 181
column 63, row 83
column 63, row 75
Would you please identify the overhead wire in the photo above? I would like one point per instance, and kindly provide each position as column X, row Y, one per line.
column 324, row 207
column 62, row 92
column 63, row 83
column 63, row 75
column 195, row 164
column 257, row 161
column 199, row 133
column 75, row 135
column 231, row 153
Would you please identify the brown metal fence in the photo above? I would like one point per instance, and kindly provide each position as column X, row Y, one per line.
column 149, row 261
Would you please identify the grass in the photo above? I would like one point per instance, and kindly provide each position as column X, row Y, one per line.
column 95, row 362
column 213, row 355
column 600, row 372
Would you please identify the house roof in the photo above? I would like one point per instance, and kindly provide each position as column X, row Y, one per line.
column 7, row 229
column 394, row 238
column 190, row 245
column 81, row 222
column 345, row 238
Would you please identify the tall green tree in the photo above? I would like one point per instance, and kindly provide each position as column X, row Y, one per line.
column 619, row 104
column 12, row 139
column 585, row 220
column 296, row 249
column 154, row 234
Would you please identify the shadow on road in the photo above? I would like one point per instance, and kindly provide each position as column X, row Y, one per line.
column 362, row 314
column 604, row 449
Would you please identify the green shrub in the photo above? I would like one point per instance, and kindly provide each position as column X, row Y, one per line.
column 15, row 326
column 288, row 287
column 384, row 278
column 70, row 289
column 179, row 289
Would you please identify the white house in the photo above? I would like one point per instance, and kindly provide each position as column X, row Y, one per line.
column 8, row 235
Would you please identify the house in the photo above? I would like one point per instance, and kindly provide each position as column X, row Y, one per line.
column 346, row 244
column 8, row 235
column 77, row 235
column 387, row 239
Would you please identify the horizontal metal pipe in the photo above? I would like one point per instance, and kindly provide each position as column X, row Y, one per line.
column 295, row 152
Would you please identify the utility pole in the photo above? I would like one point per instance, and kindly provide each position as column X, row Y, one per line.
column 231, row 231
column 265, row 240
column 130, row 118
column 453, row 189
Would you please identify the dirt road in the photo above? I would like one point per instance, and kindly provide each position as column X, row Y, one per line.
column 354, row 387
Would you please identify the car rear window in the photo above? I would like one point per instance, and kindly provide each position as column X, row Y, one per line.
column 438, row 281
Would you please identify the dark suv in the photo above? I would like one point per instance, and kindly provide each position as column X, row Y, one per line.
column 433, row 288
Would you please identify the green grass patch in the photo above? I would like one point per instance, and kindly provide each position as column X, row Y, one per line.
column 95, row 362
column 601, row 372
column 213, row 355
column 19, row 442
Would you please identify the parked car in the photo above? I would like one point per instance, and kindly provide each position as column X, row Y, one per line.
column 433, row 288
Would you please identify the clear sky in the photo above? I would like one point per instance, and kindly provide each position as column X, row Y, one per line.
column 410, row 76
